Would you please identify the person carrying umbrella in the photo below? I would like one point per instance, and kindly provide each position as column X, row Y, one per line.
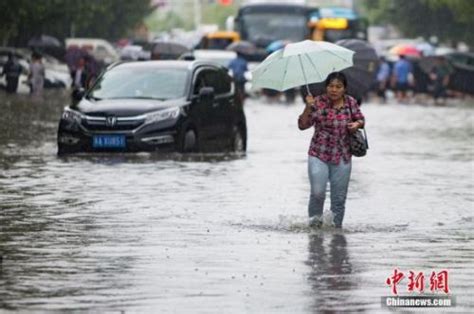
column 334, row 116
column 401, row 77
column 238, row 67
column 440, row 75
column 37, row 74
column 12, row 71
column 383, row 77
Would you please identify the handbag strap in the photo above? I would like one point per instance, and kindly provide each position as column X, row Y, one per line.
column 350, row 110
column 363, row 128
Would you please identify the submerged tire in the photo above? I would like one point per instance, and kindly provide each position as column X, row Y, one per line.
column 238, row 144
column 63, row 151
column 189, row 142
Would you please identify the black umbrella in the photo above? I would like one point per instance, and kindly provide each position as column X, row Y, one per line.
column 361, row 76
column 44, row 41
column 243, row 47
column 165, row 50
column 72, row 56
column 46, row 44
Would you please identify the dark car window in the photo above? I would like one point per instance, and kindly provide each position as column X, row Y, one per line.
column 224, row 83
column 200, row 82
column 212, row 80
column 140, row 82
column 217, row 79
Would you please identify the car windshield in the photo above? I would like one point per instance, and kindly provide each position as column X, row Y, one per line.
column 222, row 57
column 274, row 26
column 145, row 83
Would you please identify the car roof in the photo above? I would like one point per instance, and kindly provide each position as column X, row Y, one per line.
column 166, row 64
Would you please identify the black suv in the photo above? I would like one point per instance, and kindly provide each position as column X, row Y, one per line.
column 184, row 106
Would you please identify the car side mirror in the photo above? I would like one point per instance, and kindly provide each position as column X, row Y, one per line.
column 206, row 93
column 78, row 94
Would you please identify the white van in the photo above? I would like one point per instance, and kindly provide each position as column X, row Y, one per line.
column 100, row 49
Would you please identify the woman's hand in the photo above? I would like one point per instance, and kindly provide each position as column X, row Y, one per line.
column 354, row 126
column 309, row 100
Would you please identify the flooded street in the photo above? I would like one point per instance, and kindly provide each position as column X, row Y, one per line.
column 227, row 234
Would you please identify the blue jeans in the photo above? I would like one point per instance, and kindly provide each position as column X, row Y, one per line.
column 320, row 173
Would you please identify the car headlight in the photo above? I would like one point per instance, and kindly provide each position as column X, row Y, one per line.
column 162, row 115
column 71, row 115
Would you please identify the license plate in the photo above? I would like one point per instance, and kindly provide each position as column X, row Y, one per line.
column 108, row 141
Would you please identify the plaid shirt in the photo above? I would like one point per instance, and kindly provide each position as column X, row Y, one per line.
column 330, row 141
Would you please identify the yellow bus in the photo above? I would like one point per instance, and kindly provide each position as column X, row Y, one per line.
column 218, row 40
column 333, row 24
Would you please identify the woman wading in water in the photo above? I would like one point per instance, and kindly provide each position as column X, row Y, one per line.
column 334, row 116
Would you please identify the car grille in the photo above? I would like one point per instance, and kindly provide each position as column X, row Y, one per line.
column 116, row 124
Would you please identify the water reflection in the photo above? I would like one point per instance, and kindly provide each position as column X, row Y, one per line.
column 113, row 158
column 331, row 269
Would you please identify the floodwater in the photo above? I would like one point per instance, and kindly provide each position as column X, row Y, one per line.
column 227, row 234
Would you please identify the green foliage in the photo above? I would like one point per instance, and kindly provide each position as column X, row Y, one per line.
column 449, row 20
column 110, row 19
column 217, row 14
column 462, row 9
column 182, row 16
column 166, row 21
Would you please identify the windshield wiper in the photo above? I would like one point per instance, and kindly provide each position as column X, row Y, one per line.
column 93, row 98
column 154, row 98
column 138, row 97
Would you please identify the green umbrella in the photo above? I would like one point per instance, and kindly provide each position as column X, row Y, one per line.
column 300, row 64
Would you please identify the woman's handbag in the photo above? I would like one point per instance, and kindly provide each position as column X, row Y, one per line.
column 358, row 144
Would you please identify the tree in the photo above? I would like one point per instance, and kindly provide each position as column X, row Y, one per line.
column 217, row 14
column 167, row 21
column 449, row 20
column 462, row 9
column 181, row 15
column 110, row 19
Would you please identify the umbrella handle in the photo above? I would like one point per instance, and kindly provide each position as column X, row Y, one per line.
column 307, row 89
column 304, row 74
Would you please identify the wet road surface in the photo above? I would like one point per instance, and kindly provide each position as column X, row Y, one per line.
column 222, row 233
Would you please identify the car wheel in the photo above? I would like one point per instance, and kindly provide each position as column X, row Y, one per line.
column 238, row 140
column 189, row 141
column 62, row 150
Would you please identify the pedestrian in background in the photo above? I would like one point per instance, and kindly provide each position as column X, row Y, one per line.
column 37, row 73
column 79, row 74
column 383, row 78
column 402, row 78
column 93, row 70
column 334, row 116
column 73, row 53
column 239, row 66
column 12, row 71
column 440, row 75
